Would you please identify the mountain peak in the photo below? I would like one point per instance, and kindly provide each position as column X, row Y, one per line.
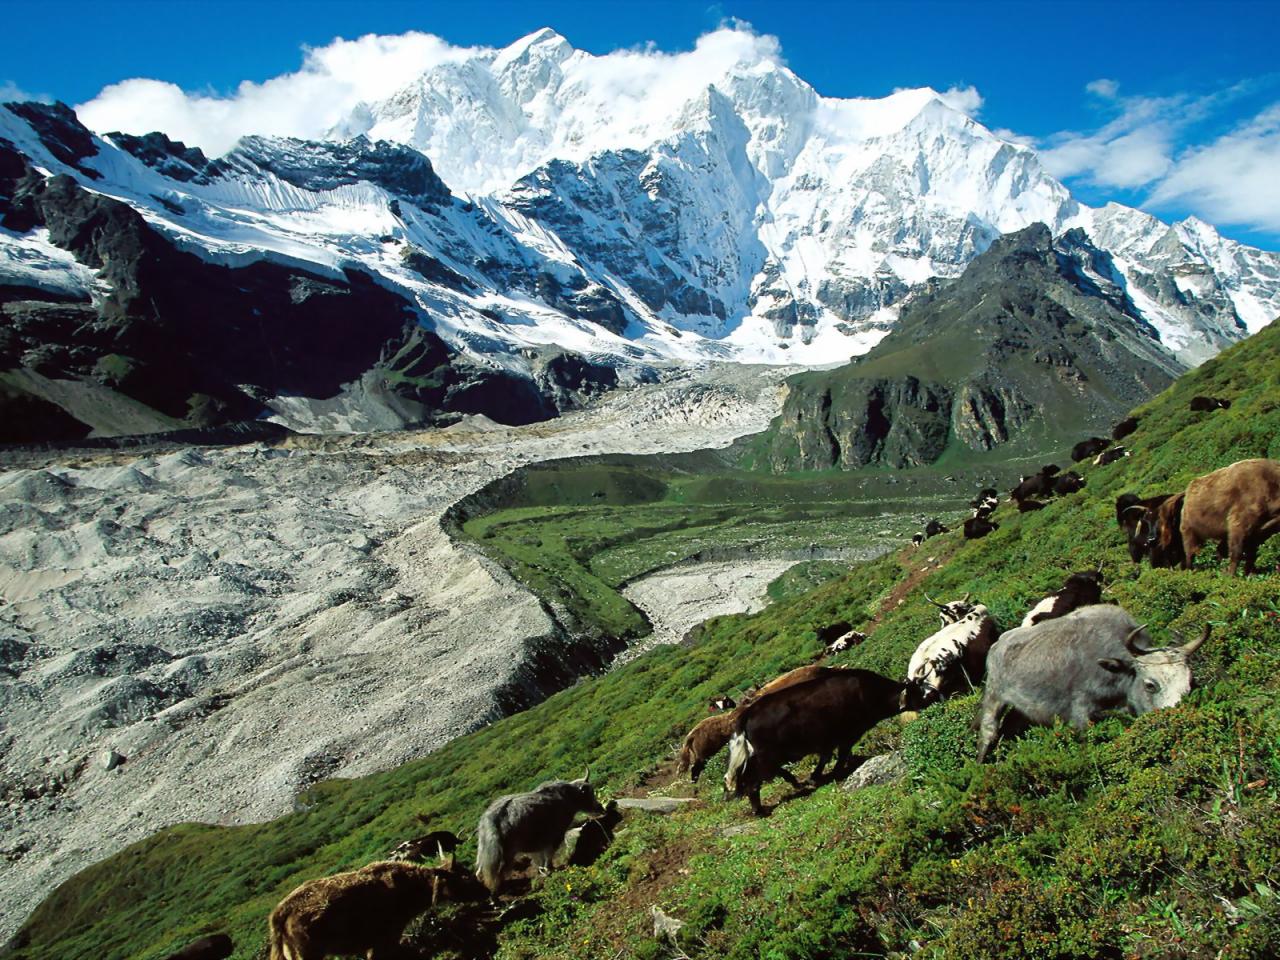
column 543, row 44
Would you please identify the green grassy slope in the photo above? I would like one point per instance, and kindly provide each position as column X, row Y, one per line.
column 1153, row 837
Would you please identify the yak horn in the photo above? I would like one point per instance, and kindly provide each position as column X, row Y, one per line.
column 1132, row 647
column 1099, row 566
column 586, row 777
column 966, row 597
column 1135, row 506
column 940, row 606
column 1190, row 648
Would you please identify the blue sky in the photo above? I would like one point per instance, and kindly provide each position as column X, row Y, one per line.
column 1174, row 107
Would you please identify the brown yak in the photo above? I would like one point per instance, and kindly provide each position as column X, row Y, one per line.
column 362, row 911
column 1238, row 505
column 709, row 736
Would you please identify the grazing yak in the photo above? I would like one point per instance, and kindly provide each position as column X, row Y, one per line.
column 975, row 528
column 531, row 823
column 215, row 947
column 1108, row 457
column 1036, row 485
column 709, row 735
column 917, row 540
column 1206, row 404
column 1139, row 518
column 1069, row 483
column 935, row 527
column 1080, row 590
column 985, row 503
column 823, row 716
column 440, row 844
column 1124, row 428
column 361, row 911
column 1238, row 505
column 1089, row 448
column 842, row 643
column 1078, row 667
column 593, row 837
column 953, row 658
column 717, row 704
column 953, row 611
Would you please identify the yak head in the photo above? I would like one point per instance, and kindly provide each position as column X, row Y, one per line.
column 1157, row 678
column 1140, row 520
column 952, row 612
column 916, row 695
column 586, row 794
column 1164, row 542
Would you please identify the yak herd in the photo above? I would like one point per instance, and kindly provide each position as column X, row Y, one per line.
column 1071, row 659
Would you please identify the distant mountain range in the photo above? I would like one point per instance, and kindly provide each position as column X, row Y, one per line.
column 503, row 236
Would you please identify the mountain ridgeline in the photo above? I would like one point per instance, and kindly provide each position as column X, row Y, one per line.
column 1033, row 347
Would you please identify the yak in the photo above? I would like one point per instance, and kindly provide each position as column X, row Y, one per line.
column 1108, row 457
column 1138, row 518
column 825, row 715
column 534, row 823
column 360, row 911
column 935, row 527
column 1089, row 448
column 1080, row 590
column 1124, row 428
column 1070, row 482
column 949, row 613
column 1238, row 505
column 975, row 528
column 953, row 658
column 1206, row 404
column 1078, row 667
column 708, row 736
column 440, row 844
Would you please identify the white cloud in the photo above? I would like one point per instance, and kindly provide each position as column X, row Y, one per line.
column 1146, row 146
column 332, row 81
column 1136, row 147
column 966, row 100
column 335, row 79
column 1233, row 179
column 1102, row 87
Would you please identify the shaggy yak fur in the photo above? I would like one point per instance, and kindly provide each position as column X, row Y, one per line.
column 825, row 715
column 363, row 911
column 532, row 823
column 1238, row 505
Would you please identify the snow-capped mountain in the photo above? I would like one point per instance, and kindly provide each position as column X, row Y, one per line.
column 541, row 198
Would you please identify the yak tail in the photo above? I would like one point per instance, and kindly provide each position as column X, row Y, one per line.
column 278, row 940
column 740, row 751
column 488, row 854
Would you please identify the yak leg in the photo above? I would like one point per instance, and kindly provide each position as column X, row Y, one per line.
column 696, row 771
column 754, row 797
column 1190, row 547
column 816, row 775
column 787, row 775
column 988, row 724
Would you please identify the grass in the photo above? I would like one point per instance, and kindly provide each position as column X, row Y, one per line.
column 1147, row 837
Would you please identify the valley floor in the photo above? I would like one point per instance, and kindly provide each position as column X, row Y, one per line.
column 238, row 623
